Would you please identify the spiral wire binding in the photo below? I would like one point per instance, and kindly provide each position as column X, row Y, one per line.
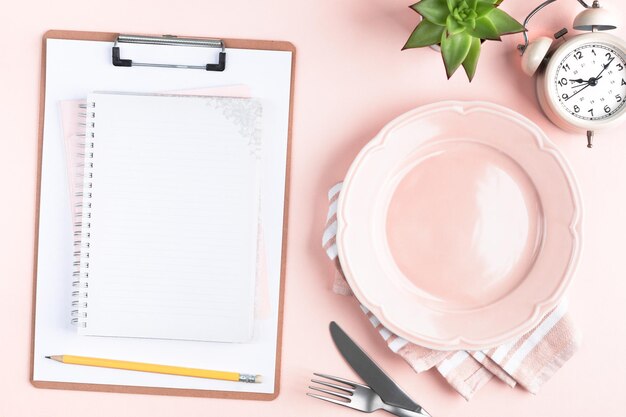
column 82, row 218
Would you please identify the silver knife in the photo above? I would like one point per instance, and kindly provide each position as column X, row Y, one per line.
column 385, row 387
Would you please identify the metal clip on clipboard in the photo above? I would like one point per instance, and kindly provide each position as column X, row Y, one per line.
column 171, row 41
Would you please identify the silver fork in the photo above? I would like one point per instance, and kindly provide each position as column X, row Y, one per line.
column 357, row 396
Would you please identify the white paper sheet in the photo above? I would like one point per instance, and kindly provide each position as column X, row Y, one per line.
column 171, row 191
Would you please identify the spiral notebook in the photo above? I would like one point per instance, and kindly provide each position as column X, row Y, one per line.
column 158, row 259
column 169, row 219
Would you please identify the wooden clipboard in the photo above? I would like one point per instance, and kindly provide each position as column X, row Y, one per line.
column 228, row 43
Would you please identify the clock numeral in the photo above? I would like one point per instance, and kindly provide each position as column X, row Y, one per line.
column 590, row 111
column 566, row 67
column 565, row 96
column 623, row 81
column 618, row 98
column 563, row 82
column 578, row 55
column 620, row 67
column 593, row 51
column 607, row 109
column 576, row 109
column 609, row 57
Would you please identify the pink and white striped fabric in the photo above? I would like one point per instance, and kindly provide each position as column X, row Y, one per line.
column 529, row 360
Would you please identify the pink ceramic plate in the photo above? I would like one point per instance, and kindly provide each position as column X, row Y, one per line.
column 459, row 225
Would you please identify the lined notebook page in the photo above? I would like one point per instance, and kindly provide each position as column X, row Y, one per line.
column 173, row 189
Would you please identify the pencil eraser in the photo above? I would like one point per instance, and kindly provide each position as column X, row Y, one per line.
column 258, row 379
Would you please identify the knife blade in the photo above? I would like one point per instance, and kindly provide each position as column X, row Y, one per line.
column 370, row 372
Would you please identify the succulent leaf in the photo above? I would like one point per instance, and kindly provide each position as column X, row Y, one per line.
column 471, row 61
column 452, row 4
column 454, row 49
column 453, row 26
column 484, row 8
column 470, row 23
column 435, row 11
column 485, row 29
column 425, row 34
column 504, row 23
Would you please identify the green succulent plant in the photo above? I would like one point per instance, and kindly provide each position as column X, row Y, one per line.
column 460, row 27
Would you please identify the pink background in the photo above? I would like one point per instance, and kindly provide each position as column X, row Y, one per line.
column 351, row 79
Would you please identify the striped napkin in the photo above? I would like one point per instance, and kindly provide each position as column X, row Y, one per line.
column 529, row 360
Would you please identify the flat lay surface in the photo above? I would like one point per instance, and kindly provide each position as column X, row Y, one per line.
column 351, row 80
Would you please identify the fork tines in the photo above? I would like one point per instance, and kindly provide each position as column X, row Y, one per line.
column 342, row 393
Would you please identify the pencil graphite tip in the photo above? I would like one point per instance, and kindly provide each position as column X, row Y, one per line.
column 48, row 357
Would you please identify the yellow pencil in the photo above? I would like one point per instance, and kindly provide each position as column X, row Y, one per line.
column 159, row 369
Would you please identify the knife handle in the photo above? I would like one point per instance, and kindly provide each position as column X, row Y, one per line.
column 402, row 412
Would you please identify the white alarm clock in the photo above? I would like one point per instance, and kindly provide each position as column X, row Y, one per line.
column 581, row 85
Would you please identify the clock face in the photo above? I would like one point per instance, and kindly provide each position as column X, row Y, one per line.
column 590, row 81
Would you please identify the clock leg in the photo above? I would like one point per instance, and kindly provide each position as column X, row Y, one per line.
column 590, row 139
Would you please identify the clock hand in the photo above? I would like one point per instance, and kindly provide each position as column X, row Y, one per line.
column 592, row 82
column 577, row 91
column 604, row 67
column 582, row 82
